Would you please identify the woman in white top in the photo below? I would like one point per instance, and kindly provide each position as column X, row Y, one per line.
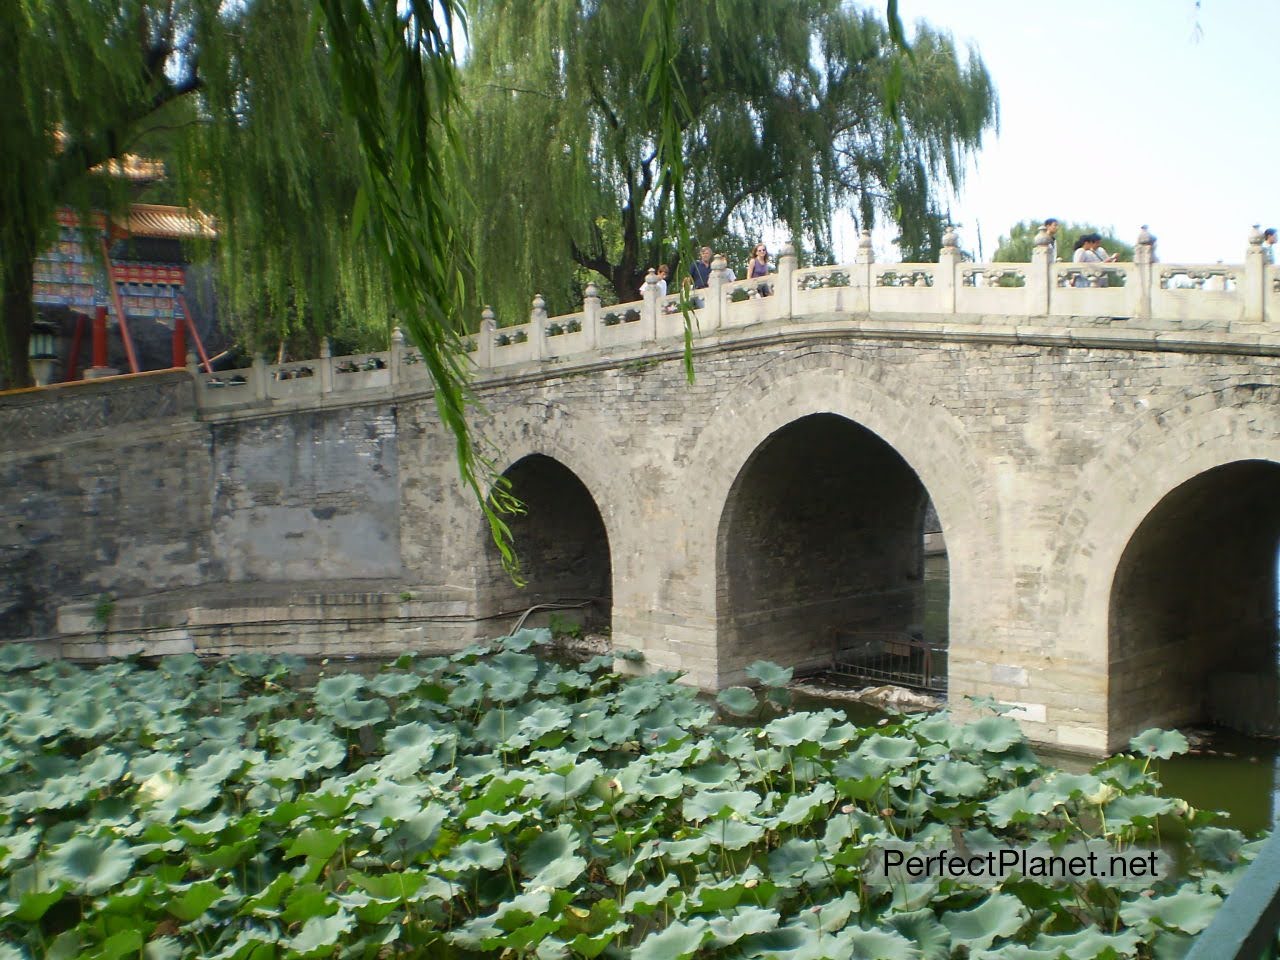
column 663, row 271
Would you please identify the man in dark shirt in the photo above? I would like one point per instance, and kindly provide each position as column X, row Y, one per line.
column 700, row 269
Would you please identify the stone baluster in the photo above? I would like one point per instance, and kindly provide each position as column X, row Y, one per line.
column 484, row 339
column 326, row 366
column 948, row 274
column 591, row 317
column 1143, row 258
column 258, row 374
column 538, row 326
column 396, row 359
column 649, row 309
column 715, row 292
column 1040, row 276
column 1255, row 278
column 786, row 280
column 860, row 278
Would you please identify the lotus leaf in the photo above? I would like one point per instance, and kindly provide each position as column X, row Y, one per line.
column 742, row 922
column 720, row 803
column 320, row 935
column 34, row 892
column 220, row 729
column 1187, row 910
column 353, row 714
column 784, row 943
column 993, row 734
column 250, row 943
column 922, row 928
column 538, row 723
column 174, row 794
column 739, row 701
column 956, row 778
column 163, row 948
column 560, row 788
column 679, row 939
column 1159, row 743
column 19, row 656
column 860, row 944
column 669, row 785
column 1000, row 915
column 644, row 900
column 87, row 717
column 91, row 865
column 1124, row 772
column 338, row 689
column 1216, row 845
column 1125, row 810
column 1019, row 805
column 797, row 728
column 192, row 899
column 17, row 846
column 33, row 727
column 473, row 854
column 24, row 701
column 769, row 674
column 894, row 752
column 1082, row 945
column 796, row 861
column 395, row 684
column 800, row 808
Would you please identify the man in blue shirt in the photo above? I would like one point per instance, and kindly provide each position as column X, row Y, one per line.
column 700, row 269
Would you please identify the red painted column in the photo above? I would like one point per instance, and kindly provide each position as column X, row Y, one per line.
column 100, row 337
column 179, row 342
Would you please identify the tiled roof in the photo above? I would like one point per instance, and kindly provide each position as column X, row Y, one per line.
column 155, row 220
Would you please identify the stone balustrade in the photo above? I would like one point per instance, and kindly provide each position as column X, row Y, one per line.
column 1144, row 299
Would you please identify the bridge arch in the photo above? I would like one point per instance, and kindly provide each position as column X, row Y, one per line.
column 1168, row 559
column 821, row 397
column 562, row 541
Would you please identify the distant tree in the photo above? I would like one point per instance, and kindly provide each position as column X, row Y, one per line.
column 788, row 111
column 1017, row 246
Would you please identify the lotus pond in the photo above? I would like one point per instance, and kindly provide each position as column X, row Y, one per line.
column 499, row 803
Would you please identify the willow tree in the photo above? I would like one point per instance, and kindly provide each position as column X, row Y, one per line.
column 791, row 110
column 244, row 103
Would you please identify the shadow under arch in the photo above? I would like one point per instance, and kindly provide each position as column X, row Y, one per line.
column 563, row 548
column 822, row 530
column 1192, row 619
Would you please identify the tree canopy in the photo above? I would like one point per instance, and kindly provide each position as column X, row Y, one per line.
column 790, row 110
column 1017, row 246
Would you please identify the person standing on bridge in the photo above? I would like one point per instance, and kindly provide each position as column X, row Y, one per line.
column 1051, row 231
column 1269, row 244
column 700, row 269
column 663, row 271
column 759, row 267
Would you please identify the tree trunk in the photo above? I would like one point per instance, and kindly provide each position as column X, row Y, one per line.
column 18, row 314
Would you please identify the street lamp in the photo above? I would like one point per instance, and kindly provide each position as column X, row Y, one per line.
column 43, row 351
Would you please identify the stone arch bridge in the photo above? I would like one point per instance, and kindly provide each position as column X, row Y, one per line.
column 1101, row 445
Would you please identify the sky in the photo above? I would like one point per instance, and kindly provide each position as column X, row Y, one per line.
column 1120, row 114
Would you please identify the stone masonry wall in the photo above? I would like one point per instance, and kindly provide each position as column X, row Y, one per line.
column 106, row 490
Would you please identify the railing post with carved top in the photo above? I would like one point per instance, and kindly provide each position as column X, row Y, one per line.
column 786, row 280
column 1255, row 278
column 326, row 366
column 1040, row 276
column 948, row 270
column 397, row 354
column 258, row 374
column 591, row 317
column 484, row 339
column 860, row 277
column 1143, row 260
column 649, row 309
column 715, row 292
column 538, row 326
